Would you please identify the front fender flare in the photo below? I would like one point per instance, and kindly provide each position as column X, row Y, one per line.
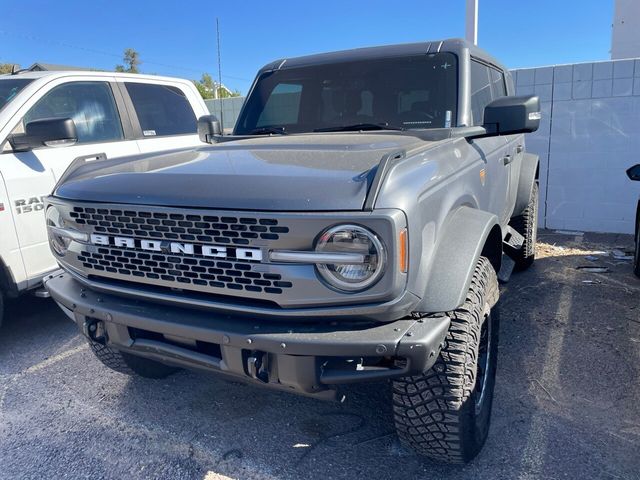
column 467, row 234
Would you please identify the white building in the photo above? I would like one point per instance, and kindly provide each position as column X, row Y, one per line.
column 625, row 38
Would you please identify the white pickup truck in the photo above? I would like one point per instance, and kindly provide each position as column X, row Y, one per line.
column 47, row 119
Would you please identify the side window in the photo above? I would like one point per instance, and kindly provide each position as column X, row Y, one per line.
column 89, row 104
column 481, row 94
column 498, row 88
column 282, row 107
column 162, row 109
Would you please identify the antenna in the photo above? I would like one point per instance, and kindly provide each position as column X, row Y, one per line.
column 219, row 87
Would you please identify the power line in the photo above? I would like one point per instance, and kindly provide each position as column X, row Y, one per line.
column 109, row 54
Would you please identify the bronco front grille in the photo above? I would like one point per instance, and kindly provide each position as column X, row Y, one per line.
column 186, row 271
column 229, row 230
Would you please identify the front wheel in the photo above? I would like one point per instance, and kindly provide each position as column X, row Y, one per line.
column 130, row 364
column 445, row 412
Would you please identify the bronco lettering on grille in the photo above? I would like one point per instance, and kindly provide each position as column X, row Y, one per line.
column 179, row 247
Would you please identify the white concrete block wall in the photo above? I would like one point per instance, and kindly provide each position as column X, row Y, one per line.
column 589, row 136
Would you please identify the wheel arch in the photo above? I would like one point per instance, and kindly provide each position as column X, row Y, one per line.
column 467, row 234
column 7, row 284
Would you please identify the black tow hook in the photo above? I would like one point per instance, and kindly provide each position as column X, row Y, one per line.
column 256, row 366
column 94, row 330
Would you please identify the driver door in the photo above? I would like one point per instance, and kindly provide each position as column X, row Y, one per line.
column 30, row 176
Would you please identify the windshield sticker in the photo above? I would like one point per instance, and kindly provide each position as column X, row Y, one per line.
column 447, row 119
column 149, row 133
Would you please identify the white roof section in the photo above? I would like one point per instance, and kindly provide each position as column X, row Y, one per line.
column 92, row 73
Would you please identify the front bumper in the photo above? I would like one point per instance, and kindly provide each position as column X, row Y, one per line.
column 307, row 358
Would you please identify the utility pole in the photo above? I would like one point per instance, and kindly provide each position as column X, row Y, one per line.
column 219, row 72
column 472, row 21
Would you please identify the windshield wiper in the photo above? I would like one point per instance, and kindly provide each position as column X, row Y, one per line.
column 268, row 131
column 360, row 126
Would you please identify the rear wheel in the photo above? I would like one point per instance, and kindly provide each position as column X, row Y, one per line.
column 1, row 307
column 526, row 225
column 636, row 256
column 130, row 364
column 445, row 413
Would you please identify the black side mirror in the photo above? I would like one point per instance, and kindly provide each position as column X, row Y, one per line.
column 209, row 128
column 634, row 172
column 510, row 115
column 46, row 132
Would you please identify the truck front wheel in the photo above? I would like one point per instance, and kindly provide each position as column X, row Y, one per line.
column 130, row 364
column 445, row 412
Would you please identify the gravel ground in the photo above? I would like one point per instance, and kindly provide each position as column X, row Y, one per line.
column 566, row 405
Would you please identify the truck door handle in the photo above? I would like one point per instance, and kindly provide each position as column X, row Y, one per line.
column 519, row 149
column 507, row 159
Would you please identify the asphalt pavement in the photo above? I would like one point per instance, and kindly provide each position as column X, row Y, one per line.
column 567, row 402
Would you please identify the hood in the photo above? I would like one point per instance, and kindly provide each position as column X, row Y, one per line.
column 316, row 172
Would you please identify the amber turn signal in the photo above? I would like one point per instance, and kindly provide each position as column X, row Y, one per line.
column 403, row 250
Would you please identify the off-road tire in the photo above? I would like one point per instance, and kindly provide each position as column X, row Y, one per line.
column 130, row 364
column 435, row 413
column 1, row 307
column 636, row 255
column 526, row 224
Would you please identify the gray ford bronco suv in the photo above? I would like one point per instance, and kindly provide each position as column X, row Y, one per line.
column 349, row 230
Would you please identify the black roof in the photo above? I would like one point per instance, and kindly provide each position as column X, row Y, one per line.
column 454, row 45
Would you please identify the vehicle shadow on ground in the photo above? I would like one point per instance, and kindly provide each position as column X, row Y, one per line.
column 565, row 397
column 32, row 329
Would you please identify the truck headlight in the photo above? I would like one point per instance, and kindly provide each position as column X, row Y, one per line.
column 55, row 223
column 352, row 239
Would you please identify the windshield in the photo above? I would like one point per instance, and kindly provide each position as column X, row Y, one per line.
column 389, row 93
column 9, row 88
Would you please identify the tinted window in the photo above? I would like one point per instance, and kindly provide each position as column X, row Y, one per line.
column 162, row 109
column 282, row 107
column 89, row 104
column 481, row 94
column 408, row 92
column 498, row 88
column 10, row 87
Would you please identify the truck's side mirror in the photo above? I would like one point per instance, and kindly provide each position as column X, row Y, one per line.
column 509, row 115
column 46, row 132
column 634, row 172
column 209, row 128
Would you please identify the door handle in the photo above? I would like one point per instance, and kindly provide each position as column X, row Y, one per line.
column 507, row 159
column 519, row 149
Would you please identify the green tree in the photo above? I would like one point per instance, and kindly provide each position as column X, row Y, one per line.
column 6, row 67
column 131, row 61
column 208, row 87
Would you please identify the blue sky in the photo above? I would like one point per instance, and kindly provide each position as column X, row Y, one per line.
column 178, row 38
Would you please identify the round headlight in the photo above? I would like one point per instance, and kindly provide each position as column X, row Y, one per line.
column 59, row 244
column 353, row 239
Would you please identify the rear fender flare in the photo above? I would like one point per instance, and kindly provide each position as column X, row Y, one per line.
column 528, row 176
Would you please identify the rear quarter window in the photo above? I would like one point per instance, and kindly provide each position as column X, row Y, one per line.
column 162, row 109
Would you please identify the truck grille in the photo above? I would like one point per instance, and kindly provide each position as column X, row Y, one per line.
column 176, row 270
column 234, row 230
column 234, row 275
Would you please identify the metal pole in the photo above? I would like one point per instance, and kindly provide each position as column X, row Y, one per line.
column 472, row 21
column 219, row 74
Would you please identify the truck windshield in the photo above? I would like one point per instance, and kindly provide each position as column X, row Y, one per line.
column 389, row 93
column 9, row 88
